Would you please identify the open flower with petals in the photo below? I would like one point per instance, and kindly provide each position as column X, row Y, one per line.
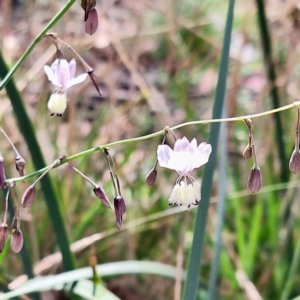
column 62, row 75
column 185, row 157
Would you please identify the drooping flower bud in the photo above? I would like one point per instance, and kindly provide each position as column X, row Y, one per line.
column 17, row 241
column 120, row 208
column 294, row 164
column 151, row 176
column 247, row 152
column 91, row 24
column 3, row 231
column 254, row 180
column 2, row 173
column 28, row 196
column 100, row 193
column 20, row 164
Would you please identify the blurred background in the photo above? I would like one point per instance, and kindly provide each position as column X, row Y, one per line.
column 158, row 62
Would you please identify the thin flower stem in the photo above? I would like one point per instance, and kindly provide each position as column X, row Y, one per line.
column 107, row 156
column 150, row 136
column 84, row 176
column 6, row 207
column 35, row 42
column 11, row 143
column 297, row 133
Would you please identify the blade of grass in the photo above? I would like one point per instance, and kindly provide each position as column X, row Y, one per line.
column 267, row 49
column 220, row 211
column 25, row 126
column 194, row 265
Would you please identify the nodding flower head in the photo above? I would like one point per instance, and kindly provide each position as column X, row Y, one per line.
column 185, row 157
column 62, row 75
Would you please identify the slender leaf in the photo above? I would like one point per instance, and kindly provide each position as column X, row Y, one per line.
column 194, row 265
column 25, row 126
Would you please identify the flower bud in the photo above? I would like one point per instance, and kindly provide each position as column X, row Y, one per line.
column 100, row 193
column 247, row 152
column 2, row 173
column 3, row 231
column 151, row 177
column 254, row 180
column 20, row 165
column 28, row 196
column 294, row 164
column 120, row 208
column 17, row 241
column 91, row 24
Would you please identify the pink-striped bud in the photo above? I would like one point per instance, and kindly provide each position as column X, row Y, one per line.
column 151, row 177
column 17, row 241
column 254, row 180
column 294, row 164
column 3, row 231
column 100, row 193
column 28, row 196
column 120, row 208
column 91, row 24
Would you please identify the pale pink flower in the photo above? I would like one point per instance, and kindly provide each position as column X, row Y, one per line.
column 62, row 75
column 185, row 157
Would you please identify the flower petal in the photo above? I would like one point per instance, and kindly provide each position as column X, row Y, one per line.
column 193, row 145
column 76, row 80
column 72, row 68
column 51, row 76
column 63, row 73
column 164, row 154
column 202, row 155
column 182, row 144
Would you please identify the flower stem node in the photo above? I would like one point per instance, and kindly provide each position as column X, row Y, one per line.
column 120, row 208
column 3, row 232
column 254, row 180
column 100, row 193
column 20, row 165
column 185, row 157
column 294, row 164
column 28, row 196
column 17, row 241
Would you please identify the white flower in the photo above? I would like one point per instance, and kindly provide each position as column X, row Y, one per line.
column 62, row 76
column 185, row 157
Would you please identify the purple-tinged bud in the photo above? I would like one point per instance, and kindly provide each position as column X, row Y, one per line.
column 3, row 231
column 120, row 208
column 20, row 165
column 28, row 196
column 59, row 53
column 17, row 241
column 247, row 152
column 294, row 164
column 254, row 180
column 91, row 24
column 95, row 81
column 151, row 177
column 100, row 193
column 2, row 173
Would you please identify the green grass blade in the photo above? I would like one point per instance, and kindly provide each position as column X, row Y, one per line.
column 270, row 66
column 194, row 265
column 25, row 126
column 104, row 270
column 220, row 213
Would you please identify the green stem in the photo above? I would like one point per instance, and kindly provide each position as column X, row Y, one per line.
column 28, row 133
column 194, row 264
column 152, row 135
column 35, row 42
